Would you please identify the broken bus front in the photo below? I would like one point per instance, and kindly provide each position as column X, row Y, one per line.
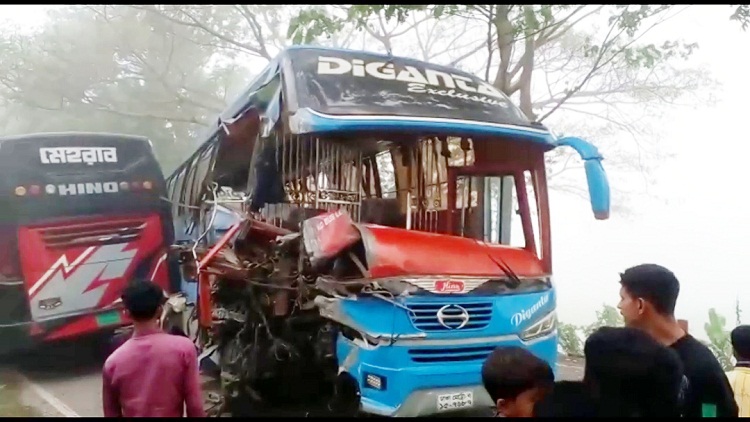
column 395, row 228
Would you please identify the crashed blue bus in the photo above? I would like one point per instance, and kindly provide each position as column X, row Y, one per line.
column 362, row 230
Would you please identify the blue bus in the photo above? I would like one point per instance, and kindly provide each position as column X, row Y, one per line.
column 406, row 205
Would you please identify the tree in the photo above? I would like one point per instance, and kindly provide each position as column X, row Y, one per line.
column 580, row 69
column 164, row 72
column 570, row 335
column 522, row 39
column 120, row 69
column 570, row 340
column 741, row 14
column 718, row 337
column 550, row 59
column 607, row 316
column 737, row 312
column 173, row 67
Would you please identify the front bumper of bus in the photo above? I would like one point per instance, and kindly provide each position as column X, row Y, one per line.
column 392, row 383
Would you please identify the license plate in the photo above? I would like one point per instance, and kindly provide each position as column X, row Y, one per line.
column 455, row 401
column 108, row 318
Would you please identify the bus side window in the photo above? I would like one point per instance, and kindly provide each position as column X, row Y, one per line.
column 202, row 167
column 186, row 187
column 175, row 193
column 386, row 174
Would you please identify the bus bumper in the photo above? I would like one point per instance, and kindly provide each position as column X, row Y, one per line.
column 392, row 384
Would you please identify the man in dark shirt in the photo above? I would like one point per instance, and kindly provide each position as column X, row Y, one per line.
column 625, row 370
column 648, row 295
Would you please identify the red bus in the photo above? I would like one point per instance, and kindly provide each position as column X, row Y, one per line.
column 81, row 214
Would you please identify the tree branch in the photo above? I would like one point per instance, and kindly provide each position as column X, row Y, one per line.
column 255, row 28
column 198, row 25
column 556, row 31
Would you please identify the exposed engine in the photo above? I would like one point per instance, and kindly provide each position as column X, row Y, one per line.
column 275, row 348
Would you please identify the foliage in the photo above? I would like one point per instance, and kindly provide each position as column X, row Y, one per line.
column 737, row 313
column 570, row 341
column 607, row 316
column 718, row 336
column 719, row 341
column 570, row 335
column 117, row 69
column 588, row 69
column 518, row 36
column 741, row 14
column 165, row 71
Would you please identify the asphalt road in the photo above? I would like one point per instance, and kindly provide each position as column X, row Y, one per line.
column 69, row 375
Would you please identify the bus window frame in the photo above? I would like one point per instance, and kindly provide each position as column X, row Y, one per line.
column 189, row 172
column 505, row 169
column 178, row 183
column 200, row 175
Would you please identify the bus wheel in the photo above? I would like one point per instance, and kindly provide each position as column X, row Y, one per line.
column 346, row 396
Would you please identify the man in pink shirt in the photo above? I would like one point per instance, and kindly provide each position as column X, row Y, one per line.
column 153, row 374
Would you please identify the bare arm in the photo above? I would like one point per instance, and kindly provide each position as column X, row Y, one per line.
column 110, row 397
column 193, row 394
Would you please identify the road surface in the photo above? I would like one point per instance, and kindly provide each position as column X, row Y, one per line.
column 68, row 376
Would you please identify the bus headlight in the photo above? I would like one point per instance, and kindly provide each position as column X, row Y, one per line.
column 541, row 328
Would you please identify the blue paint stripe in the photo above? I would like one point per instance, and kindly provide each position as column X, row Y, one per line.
column 330, row 124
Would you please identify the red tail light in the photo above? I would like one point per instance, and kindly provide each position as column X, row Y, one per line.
column 147, row 185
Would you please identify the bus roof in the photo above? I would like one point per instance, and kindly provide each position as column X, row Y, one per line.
column 327, row 91
column 51, row 138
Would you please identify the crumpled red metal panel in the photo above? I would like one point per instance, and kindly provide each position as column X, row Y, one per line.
column 328, row 234
column 392, row 252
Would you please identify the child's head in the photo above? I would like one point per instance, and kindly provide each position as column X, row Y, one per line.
column 515, row 380
column 741, row 342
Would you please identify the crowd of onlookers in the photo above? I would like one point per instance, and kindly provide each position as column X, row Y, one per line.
column 651, row 367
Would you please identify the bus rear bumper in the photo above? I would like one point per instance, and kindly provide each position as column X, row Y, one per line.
column 29, row 333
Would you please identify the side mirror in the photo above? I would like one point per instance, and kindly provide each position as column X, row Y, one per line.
column 595, row 174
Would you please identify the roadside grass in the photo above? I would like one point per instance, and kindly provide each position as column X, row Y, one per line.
column 10, row 398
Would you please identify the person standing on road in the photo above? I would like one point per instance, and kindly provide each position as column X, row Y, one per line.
column 648, row 295
column 739, row 377
column 626, row 369
column 153, row 374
